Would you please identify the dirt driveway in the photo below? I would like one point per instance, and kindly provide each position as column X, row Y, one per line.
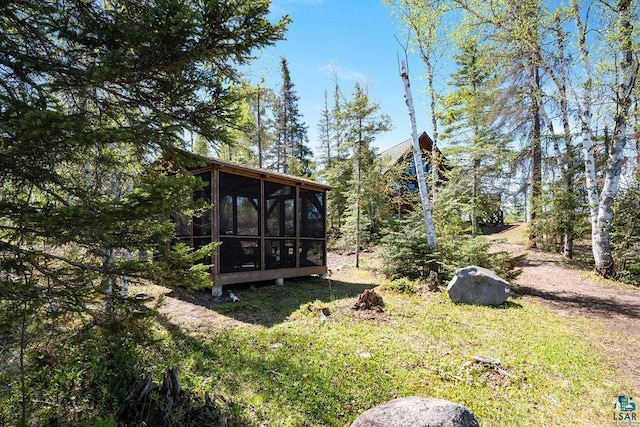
column 572, row 292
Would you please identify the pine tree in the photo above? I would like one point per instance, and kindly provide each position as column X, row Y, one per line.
column 480, row 151
column 362, row 122
column 262, row 106
column 292, row 152
column 340, row 172
column 241, row 148
column 94, row 100
column 325, row 130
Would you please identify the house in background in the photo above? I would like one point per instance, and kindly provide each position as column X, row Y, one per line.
column 402, row 155
column 270, row 225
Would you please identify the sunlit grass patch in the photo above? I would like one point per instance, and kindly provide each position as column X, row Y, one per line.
column 300, row 355
column 324, row 370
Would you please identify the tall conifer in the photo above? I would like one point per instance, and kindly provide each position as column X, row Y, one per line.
column 95, row 98
column 291, row 146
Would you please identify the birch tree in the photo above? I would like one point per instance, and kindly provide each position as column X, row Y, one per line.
column 617, row 75
column 537, row 36
column 624, row 44
column 417, row 159
column 424, row 24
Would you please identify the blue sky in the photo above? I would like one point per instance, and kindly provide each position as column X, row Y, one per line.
column 356, row 38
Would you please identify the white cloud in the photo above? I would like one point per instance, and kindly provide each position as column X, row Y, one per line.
column 342, row 73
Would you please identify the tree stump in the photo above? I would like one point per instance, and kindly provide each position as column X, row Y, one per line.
column 168, row 405
column 369, row 300
column 432, row 281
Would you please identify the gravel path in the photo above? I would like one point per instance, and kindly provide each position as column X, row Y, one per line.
column 571, row 292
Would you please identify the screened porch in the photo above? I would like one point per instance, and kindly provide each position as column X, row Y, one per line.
column 270, row 225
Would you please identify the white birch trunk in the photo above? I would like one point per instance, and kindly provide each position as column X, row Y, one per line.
column 601, row 206
column 587, row 136
column 589, row 167
column 585, row 118
column 125, row 279
column 417, row 159
column 601, row 238
column 601, row 234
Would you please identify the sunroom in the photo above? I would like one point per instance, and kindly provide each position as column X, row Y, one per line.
column 270, row 225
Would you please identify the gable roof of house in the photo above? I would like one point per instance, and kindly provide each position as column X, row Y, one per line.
column 400, row 152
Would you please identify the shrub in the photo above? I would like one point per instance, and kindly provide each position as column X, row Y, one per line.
column 625, row 234
column 408, row 255
column 402, row 285
column 464, row 251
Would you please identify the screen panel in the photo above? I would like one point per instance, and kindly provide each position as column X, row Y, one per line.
column 239, row 254
column 312, row 207
column 312, row 253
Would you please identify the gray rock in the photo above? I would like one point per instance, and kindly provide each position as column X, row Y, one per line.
column 477, row 285
column 417, row 412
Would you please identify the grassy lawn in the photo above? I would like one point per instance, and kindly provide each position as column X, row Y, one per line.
column 286, row 365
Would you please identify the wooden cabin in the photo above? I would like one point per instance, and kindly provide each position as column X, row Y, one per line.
column 270, row 225
column 402, row 154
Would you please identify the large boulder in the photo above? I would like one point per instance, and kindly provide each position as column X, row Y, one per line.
column 417, row 412
column 477, row 285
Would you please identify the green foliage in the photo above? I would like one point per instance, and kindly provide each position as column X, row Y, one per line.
column 408, row 256
column 402, row 285
column 407, row 253
column 625, row 233
column 261, row 137
column 360, row 198
column 94, row 101
column 557, row 217
column 465, row 251
column 339, row 176
column 93, row 368
column 291, row 151
column 107, row 422
column 479, row 151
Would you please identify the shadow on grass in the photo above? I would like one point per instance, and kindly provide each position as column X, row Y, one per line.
column 267, row 304
column 507, row 305
column 510, row 305
column 251, row 370
column 605, row 307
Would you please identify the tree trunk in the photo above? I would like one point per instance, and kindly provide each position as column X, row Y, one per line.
column 417, row 159
column 23, row 373
column 434, row 124
column 474, row 197
column 601, row 227
column 259, row 120
column 566, row 161
column 585, row 118
column 358, row 171
column 565, row 165
column 536, row 152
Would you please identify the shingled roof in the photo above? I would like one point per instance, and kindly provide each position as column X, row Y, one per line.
column 399, row 152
